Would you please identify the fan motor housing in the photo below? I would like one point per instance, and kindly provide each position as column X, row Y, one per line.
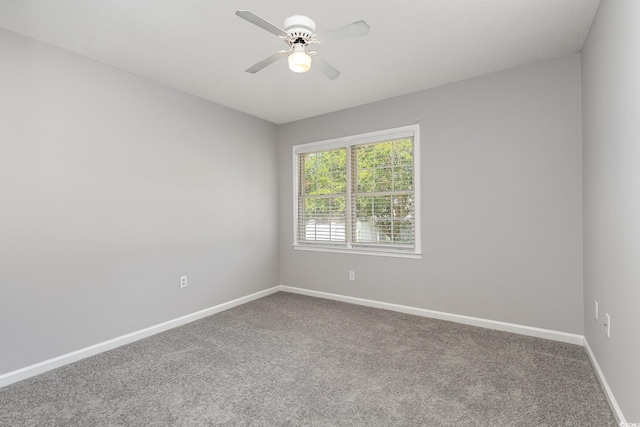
column 300, row 27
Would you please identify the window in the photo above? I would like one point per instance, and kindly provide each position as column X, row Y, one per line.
column 359, row 194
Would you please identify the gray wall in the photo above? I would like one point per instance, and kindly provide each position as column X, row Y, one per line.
column 111, row 188
column 611, row 127
column 500, row 193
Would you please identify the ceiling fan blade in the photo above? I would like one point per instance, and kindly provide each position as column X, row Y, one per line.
column 355, row 29
column 326, row 68
column 267, row 61
column 265, row 25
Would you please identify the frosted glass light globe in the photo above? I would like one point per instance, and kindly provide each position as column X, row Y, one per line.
column 299, row 60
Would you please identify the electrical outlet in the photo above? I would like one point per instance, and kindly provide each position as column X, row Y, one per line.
column 352, row 275
column 596, row 307
column 183, row 281
column 608, row 324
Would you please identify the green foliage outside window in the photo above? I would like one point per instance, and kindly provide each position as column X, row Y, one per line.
column 385, row 169
column 382, row 195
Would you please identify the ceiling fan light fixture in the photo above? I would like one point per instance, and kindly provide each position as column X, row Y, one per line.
column 299, row 59
column 298, row 33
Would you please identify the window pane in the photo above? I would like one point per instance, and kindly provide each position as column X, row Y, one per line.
column 379, row 191
column 339, row 182
column 403, row 218
column 323, row 219
column 324, row 172
column 384, row 219
column 403, row 152
column 403, row 178
column 364, row 180
column 384, row 166
column 383, row 179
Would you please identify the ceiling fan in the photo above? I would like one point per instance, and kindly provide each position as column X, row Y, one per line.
column 298, row 34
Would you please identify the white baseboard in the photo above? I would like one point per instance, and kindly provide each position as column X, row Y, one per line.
column 467, row 320
column 617, row 412
column 56, row 362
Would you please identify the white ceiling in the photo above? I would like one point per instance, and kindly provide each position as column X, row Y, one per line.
column 201, row 47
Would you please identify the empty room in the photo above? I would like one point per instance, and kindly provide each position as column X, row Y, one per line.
column 333, row 213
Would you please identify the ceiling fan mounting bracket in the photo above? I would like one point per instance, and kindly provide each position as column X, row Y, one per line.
column 300, row 29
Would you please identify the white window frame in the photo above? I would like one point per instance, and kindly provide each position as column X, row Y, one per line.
column 348, row 142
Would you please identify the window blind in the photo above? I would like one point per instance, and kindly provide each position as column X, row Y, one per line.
column 359, row 193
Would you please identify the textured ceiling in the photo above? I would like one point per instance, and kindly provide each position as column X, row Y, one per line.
column 201, row 47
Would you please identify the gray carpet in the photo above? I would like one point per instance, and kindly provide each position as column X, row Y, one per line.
column 291, row 360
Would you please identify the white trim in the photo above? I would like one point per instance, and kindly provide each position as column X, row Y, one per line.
column 358, row 139
column 384, row 135
column 467, row 320
column 312, row 147
column 417, row 210
column 296, row 202
column 617, row 412
column 345, row 250
column 409, row 131
column 74, row 356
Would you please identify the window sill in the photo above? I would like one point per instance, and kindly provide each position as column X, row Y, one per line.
column 341, row 250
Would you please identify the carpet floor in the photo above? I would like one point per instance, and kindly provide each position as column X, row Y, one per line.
column 292, row 360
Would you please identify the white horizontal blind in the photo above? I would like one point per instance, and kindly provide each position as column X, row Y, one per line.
column 382, row 194
column 359, row 193
column 322, row 196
